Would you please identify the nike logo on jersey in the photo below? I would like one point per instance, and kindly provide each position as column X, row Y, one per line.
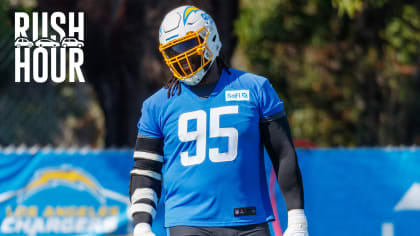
column 237, row 95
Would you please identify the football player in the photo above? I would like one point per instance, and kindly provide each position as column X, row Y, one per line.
column 202, row 138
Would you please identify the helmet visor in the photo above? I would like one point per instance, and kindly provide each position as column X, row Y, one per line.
column 181, row 47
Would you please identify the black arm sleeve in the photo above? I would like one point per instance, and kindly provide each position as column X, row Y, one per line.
column 145, row 179
column 275, row 133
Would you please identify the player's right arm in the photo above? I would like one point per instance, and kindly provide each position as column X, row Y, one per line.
column 145, row 183
column 146, row 176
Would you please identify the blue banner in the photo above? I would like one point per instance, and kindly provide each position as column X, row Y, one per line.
column 65, row 193
column 365, row 191
column 347, row 192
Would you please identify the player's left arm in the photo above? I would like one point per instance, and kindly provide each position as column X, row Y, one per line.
column 277, row 139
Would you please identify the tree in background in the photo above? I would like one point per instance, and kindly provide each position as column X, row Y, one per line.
column 122, row 60
column 122, row 65
column 42, row 114
column 348, row 71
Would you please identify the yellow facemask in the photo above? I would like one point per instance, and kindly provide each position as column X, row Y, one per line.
column 185, row 55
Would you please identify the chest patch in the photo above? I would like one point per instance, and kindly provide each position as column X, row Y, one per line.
column 237, row 95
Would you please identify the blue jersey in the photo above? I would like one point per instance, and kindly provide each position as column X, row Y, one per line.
column 213, row 171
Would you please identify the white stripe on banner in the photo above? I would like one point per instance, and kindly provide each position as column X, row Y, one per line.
column 148, row 155
column 149, row 173
column 144, row 193
column 142, row 207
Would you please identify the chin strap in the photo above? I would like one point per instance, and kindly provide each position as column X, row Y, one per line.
column 198, row 77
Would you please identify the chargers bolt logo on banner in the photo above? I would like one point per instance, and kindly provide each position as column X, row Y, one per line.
column 62, row 200
column 43, row 50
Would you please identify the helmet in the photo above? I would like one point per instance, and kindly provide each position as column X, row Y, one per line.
column 189, row 43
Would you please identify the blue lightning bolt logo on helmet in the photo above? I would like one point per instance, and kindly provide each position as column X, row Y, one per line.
column 189, row 43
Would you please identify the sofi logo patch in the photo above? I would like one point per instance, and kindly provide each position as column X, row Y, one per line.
column 237, row 95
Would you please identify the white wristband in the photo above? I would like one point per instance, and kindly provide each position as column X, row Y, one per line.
column 296, row 216
column 141, row 228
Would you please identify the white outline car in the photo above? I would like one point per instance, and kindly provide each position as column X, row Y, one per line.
column 71, row 42
column 23, row 42
column 45, row 42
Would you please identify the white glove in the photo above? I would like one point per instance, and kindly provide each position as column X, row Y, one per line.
column 297, row 224
column 143, row 229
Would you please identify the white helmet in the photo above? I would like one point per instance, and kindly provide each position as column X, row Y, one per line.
column 189, row 43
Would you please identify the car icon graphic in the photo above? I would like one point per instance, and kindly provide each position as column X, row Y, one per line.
column 46, row 43
column 71, row 42
column 23, row 42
